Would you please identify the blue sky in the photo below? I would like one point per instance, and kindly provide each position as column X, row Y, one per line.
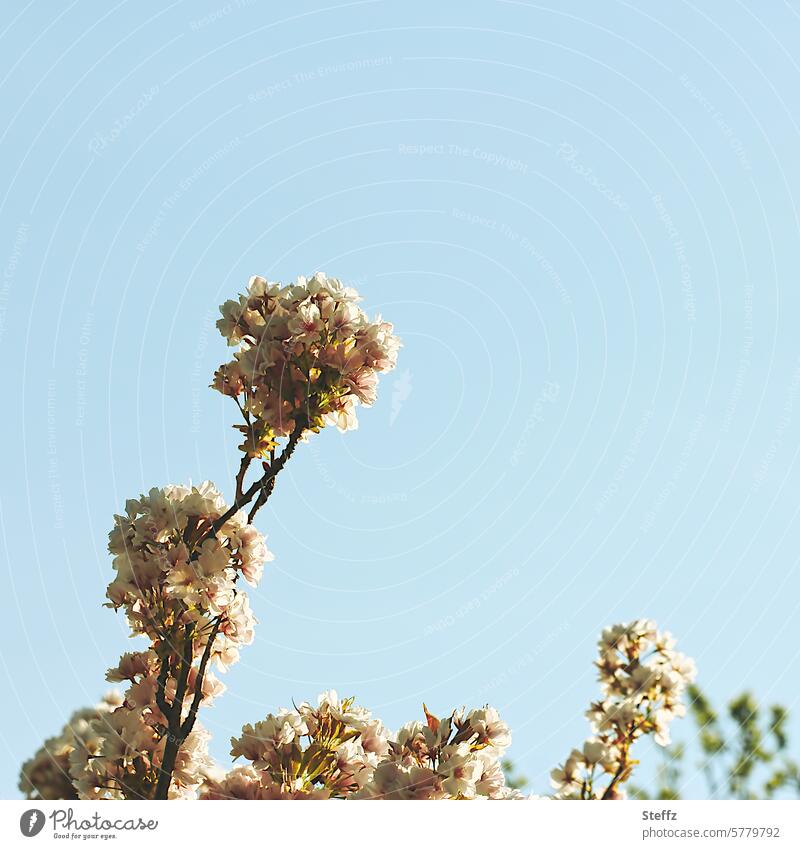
column 582, row 221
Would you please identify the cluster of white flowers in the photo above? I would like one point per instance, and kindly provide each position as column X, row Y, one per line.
column 322, row 752
column 337, row 750
column 307, row 355
column 175, row 568
column 47, row 774
column 177, row 579
column 643, row 680
column 453, row 758
column 121, row 752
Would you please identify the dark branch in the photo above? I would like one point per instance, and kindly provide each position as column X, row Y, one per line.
column 262, row 482
column 268, row 481
column 188, row 723
column 183, row 677
column 161, row 700
column 243, row 466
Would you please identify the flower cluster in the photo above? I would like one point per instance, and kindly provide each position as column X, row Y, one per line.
column 47, row 774
column 337, row 750
column 307, row 356
column 121, row 753
column 643, row 680
column 453, row 758
column 322, row 752
column 176, row 566
column 178, row 555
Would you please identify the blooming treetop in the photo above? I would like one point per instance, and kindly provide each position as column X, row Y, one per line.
column 643, row 681
column 176, row 570
column 321, row 752
column 337, row 749
column 307, row 355
column 178, row 561
column 457, row 757
column 47, row 774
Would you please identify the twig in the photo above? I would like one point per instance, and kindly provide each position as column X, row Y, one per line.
column 268, row 481
column 263, row 481
column 161, row 700
column 179, row 730
column 183, row 677
column 173, row 713
column 243, row 466
column 188, row 723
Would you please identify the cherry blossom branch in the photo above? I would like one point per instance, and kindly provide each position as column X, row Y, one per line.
column 173, row 714
column 317, row 355
column 161, row 700
column 243, row 500
column 268, row 481
column 188, row 723
column 262, row 482
column 243, row 466
column 183, row 674
column 623, row 765
column 177, row 731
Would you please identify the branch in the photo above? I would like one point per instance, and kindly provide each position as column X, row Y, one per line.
column 183, row 677
column 240, row 475
column 191, row 527
column 188, row 723
column 175, row 732
column 628, row 741
column 161, row 700
column 263, row 481
column 266, row 491
column 617, row 775
column 268, row 481
column 179, row 731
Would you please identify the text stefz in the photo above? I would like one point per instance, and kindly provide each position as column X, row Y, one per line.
column 659, row 815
